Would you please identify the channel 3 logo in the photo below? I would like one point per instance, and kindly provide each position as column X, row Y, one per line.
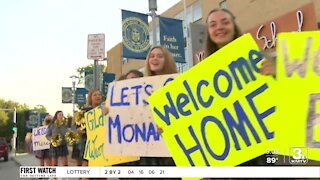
column 298, row 155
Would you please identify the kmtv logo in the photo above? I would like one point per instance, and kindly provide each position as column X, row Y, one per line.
column 298, row 155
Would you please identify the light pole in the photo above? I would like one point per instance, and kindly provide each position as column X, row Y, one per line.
column 74, row 78
column 153, row 9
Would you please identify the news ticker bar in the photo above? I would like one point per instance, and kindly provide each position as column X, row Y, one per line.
column 168, row 172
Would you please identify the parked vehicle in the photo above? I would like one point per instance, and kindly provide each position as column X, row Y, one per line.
column 4, row 149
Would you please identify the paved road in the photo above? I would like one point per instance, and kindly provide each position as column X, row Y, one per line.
column 9, row 170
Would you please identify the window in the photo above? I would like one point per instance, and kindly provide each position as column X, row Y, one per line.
column 223, row 4
column 125, row 60
column 193, row 13
column 197, row 13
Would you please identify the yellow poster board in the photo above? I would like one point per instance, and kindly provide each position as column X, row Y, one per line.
column 298, row 87
column 221, row 111
column 95, row 146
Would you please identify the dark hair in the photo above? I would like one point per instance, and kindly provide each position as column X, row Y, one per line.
column 135, row 72
column 122, row 77
column 55, row 116
column 212, row 47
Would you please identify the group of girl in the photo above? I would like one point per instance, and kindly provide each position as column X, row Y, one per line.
column 221, row 30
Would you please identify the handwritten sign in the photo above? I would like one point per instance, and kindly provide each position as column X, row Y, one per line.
column 220, row 112
column 298, row 75
column 95, row 145
column 131, row 128
column 301, row 19
column 39, row 140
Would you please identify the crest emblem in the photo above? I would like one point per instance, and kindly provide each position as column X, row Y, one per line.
column 135, row 34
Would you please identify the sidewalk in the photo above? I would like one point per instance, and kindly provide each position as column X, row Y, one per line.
column 27, row 159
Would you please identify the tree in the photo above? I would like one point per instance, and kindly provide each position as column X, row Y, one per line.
column 6, row 129
column 3, row 118
column 81, row 70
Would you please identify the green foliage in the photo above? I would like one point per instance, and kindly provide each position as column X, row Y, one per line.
column 3, row 118
column 42, row 109
column 81, row 71
column 89, row 67
column 6, row 129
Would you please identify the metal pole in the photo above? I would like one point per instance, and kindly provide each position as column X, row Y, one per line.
column 15, row 132
column 153, row 9
column 188, row 54
column 74, row 78
column 73, row 94
column 95, row 75
column 39, row 121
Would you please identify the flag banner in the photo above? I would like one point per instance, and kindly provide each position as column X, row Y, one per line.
column 88, row 80
column 33, row 120
column 42, row 116
column 66, row 95
column 107, row 78
column 171, row 36
column 80, row 97
column 135, row 35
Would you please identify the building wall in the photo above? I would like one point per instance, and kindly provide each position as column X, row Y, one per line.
column 249, row 14
column 133, row 64
column 115, row 60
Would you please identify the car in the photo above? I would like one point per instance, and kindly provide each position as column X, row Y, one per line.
column 4, row 149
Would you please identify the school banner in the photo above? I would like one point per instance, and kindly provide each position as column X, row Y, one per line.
column 42, row 117
column 33, row 120
column 80, row 96
column 66, row 95
column 39, row 140
column 135, row 35
column 298, row 109
column 107, row 78
column 95, row 145
column 220, row 112
column 88, row 80
column 171, row 36
column 131, row 128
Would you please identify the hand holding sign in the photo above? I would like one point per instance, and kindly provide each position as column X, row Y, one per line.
column 224, row 114
column 298, row 109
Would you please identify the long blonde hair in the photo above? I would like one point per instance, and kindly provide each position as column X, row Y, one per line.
column 169, row 63
column 89, row 97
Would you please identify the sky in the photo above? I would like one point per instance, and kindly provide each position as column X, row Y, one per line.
column 43, row 42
